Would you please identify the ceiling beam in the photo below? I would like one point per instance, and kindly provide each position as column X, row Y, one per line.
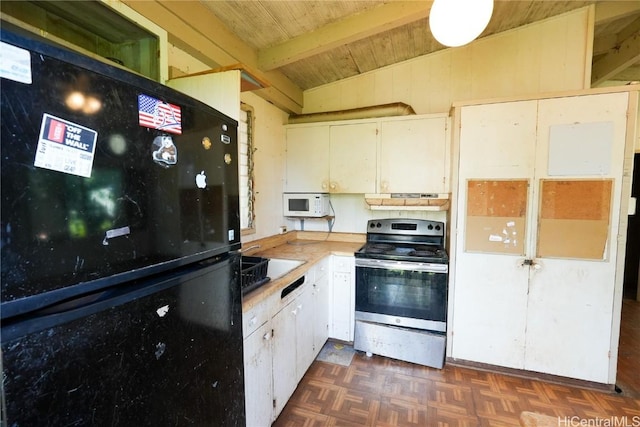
column 192, row 27
column 611, row 10
column 348, row 30
column 627, row 54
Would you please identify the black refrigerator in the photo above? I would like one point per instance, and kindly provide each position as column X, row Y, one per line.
column 120, row 237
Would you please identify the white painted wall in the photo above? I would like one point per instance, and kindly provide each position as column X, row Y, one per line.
column 507, row 64
column 352, row 214
column 269, row 161
column 547, row 56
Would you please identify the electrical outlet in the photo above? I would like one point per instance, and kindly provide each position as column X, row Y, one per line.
column 283, row 229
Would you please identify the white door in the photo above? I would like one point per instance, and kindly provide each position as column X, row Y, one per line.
column 570, row 311
column 497, row 142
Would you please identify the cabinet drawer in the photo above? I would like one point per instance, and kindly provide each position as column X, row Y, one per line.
column 343, row 264
column 322, row 268
column 254, row 318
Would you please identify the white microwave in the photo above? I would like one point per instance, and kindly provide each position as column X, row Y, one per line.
column 311, row 205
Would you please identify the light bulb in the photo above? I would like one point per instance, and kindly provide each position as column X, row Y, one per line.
column 458, row 22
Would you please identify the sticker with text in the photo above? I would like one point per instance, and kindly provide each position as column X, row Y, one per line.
column 66, row 147
column 15, row 63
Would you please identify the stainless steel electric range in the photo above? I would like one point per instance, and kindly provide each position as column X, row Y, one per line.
column 401, row 291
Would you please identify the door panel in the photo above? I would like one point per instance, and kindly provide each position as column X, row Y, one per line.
column 570, row 310
column 490, row 299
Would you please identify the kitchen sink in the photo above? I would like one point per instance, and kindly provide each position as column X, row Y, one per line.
column 278, row 267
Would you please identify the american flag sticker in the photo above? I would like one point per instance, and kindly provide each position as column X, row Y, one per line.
column 156, row 114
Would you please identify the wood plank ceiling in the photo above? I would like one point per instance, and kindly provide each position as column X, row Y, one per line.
column 299, row 44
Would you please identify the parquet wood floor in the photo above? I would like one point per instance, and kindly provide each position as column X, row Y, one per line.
column 383, row 392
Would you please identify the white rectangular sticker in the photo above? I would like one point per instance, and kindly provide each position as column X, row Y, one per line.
column 15, row 63
column 65, row 147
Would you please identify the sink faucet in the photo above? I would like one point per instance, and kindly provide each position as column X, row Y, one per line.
column 249, row 248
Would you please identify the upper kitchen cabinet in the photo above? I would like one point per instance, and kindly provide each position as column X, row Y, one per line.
column 414, row 155
column 331, row 158
column 396, row 162
column 352, row 158
column 307, row 168
column 108, row 31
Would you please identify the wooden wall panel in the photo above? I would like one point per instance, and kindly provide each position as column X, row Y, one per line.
column 574, row 218
column 541, row 57
column 496, row 212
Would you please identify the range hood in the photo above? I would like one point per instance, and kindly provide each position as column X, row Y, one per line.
column 408, row 201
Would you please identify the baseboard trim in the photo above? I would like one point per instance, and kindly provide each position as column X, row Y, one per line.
column 530, row 375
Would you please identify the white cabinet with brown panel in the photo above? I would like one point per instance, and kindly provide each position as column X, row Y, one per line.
column 537, row 234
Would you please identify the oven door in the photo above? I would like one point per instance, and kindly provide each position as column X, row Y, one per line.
column 411, row 294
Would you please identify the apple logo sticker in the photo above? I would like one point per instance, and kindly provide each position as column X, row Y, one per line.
column 201, row 180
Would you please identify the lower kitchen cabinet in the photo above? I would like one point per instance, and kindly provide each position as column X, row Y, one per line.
column 321, row 306
column 285, row 376
column 258, row 377
column 342, row 298
column 282, row 338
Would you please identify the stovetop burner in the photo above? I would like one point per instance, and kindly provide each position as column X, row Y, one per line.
column 405, row 240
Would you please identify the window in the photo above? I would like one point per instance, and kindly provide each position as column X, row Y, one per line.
column 246, row 149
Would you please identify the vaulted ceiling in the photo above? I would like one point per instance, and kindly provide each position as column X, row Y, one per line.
column 299, row 44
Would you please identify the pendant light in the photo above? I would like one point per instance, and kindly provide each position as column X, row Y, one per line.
column 458, row 22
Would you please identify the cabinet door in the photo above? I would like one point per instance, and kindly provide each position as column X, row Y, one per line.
column 413, row 156
column 342, row 308
column 258, row 376
column 284, row 355
column 320, row 313
column 307, row 158
column 304, row 313
column 571, row 300
column 490, row 298
column 352, row 162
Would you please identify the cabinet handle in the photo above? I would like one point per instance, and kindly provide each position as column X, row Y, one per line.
column 266, row 336
column 333, row 185
column 531, row 263
column 294, row 311
column 253, row 321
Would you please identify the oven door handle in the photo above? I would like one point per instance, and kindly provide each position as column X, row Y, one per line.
column 423, row 267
